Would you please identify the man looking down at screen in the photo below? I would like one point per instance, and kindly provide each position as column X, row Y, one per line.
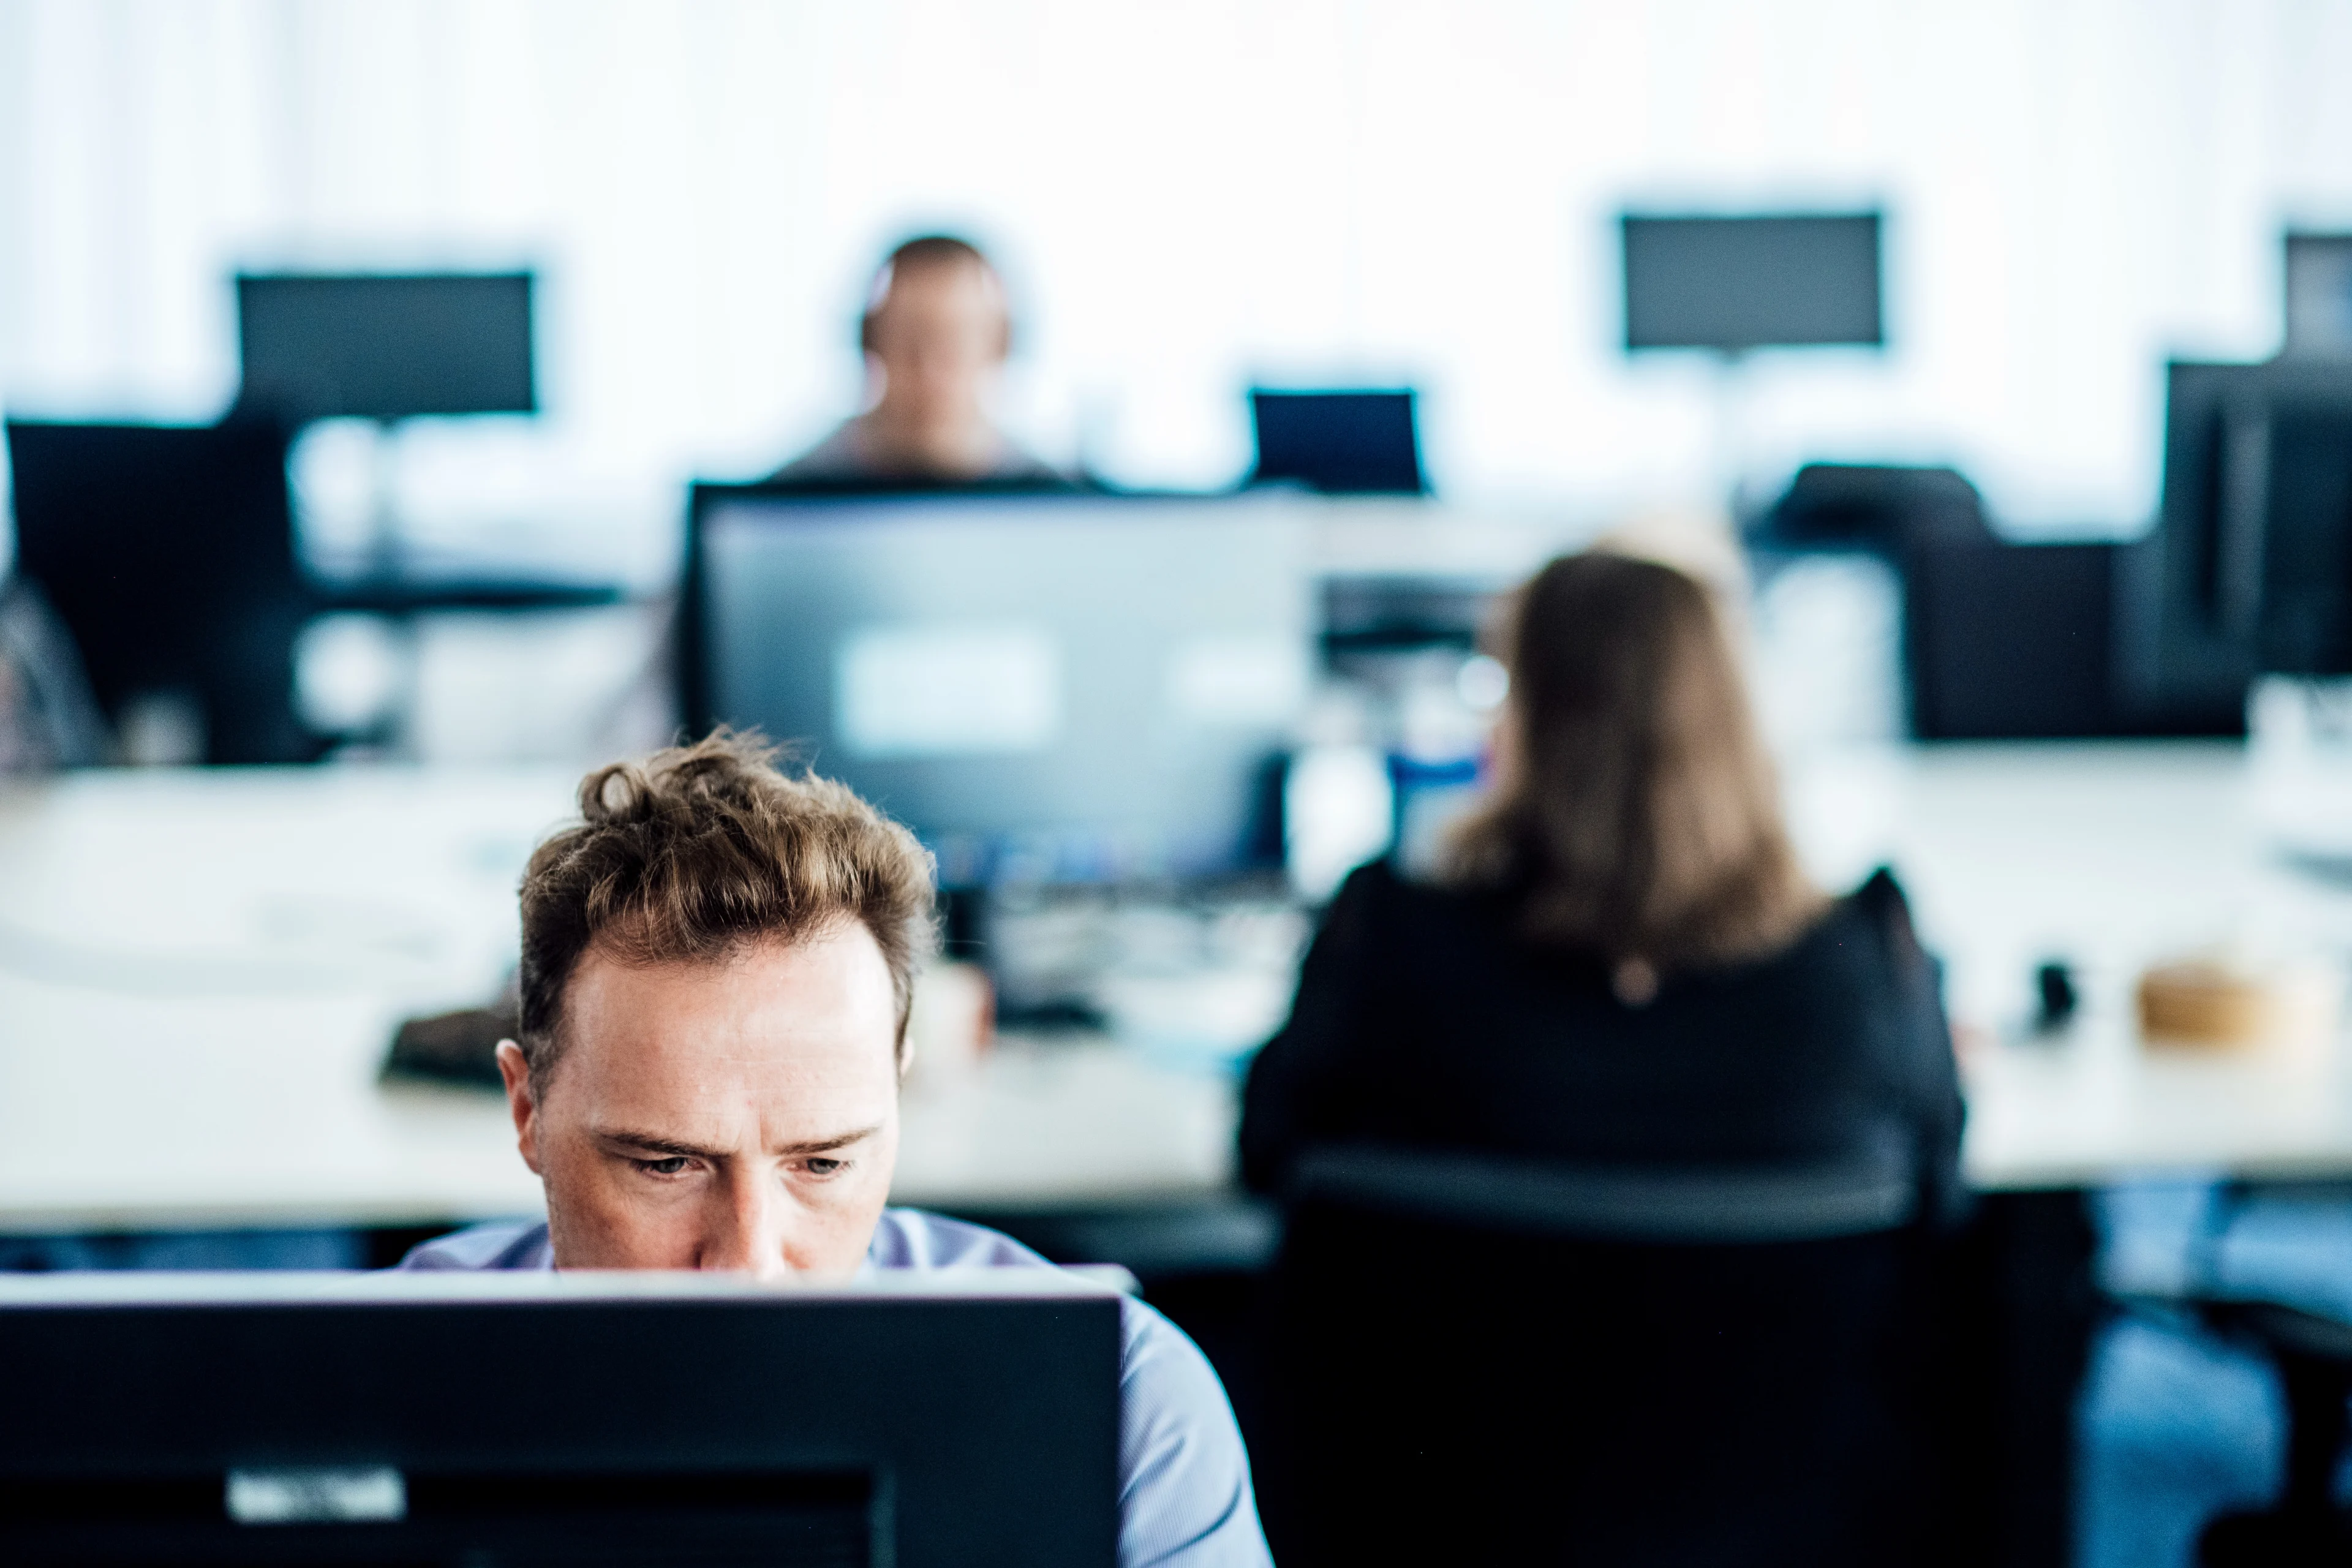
column 718, row 961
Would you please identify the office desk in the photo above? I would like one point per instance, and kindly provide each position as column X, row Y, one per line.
column 199, row 973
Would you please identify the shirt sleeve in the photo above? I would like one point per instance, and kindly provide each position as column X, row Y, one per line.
column 1186, row 1500
column 484, row 1247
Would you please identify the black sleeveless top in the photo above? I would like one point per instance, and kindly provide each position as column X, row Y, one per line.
column 1424, row 1020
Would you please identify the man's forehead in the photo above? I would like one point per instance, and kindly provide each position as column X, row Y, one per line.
column 829, row 989
column 957, row 276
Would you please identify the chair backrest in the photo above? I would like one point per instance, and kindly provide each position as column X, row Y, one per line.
column 1852, row 506
column 2007, row 641
column 1489, row 1361
column 1874, row 1191
column 168, row 552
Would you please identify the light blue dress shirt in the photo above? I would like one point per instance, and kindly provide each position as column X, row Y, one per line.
column 1183, row 1475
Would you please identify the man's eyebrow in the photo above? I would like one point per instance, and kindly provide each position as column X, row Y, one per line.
column 826, row 1145
column 652, row 1145
column 671, row 1148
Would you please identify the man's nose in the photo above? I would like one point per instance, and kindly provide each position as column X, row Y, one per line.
column 744, row 1232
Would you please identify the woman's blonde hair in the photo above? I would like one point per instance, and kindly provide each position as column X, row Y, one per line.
column 1634, row 812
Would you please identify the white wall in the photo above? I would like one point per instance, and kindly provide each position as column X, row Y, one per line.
column 1187, row 195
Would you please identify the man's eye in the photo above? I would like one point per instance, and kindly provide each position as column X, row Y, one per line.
column 818, row 1166
column 669, row 1167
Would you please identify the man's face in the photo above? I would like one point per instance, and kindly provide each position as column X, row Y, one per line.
column 939, row 337
column 739, row 1115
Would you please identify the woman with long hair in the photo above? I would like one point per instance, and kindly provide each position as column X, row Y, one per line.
column 1619, row 960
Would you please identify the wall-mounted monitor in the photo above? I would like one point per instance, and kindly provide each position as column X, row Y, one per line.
column 1764, row 280
column 386, row 346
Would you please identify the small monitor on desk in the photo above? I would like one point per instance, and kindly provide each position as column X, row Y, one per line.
column 159, row 1420
column 386, row 346
column 1341, row 443
column 1071, row 688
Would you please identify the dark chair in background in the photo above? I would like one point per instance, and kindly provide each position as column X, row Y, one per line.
column 168, row 554
column 1885, row 509
column 2003, row 640
column 2305, row 1527
column 1483, row 1361
column 2009, row 641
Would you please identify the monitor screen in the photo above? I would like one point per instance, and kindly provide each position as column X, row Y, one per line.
column 384, row 346
column 557, row 1419
column 1341, row 443
column 1736, row 283
column 2318, row 296
column 2256, row 532
column 1045, row 688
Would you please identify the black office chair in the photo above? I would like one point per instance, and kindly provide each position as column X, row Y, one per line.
column 2305, row 1527
column 168, row 552
column 1478, row 1360
column 1885, row 509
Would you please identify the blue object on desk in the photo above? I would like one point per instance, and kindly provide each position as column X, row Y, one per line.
column 1340, row 443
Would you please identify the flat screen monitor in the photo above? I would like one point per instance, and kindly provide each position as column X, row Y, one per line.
column 1341, row 443
column 2318, row 296
column 386, row 346
column 2254, row 539
column 526, row 1421
column 1731, row 284
column 1074, row 688
column 168, row 551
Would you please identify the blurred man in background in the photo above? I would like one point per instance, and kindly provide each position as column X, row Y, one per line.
column 936, row 331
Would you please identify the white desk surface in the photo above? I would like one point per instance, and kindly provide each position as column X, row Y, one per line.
column 199, row 974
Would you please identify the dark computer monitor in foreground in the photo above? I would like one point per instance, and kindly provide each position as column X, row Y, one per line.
column 386, row 346
column 379, row 1419
column 1073, row 688
column 1340, row 443
column 1771, row 280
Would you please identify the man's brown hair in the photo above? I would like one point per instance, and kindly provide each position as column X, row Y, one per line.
column 1639, row 818
column 701, row 851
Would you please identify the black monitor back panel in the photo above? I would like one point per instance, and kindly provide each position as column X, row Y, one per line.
column 386, row 346
column 1764, row 281
column 743, row 1430
column 2250, row 570
column 168, row 551
column 1341, row 443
